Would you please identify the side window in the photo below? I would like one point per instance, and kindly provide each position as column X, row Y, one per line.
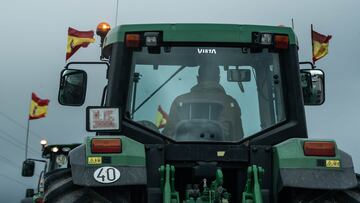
column 277, row 93
column 270, row 92
column 246, row 94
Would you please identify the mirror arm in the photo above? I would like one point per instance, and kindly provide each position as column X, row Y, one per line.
column 86, row 62
column 104, row 95
column 39, row 181
column 241, row 86
column 39, row 160
column 308, row 62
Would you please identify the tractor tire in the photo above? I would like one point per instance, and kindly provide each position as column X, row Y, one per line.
column 59, row 188
column 321, row 196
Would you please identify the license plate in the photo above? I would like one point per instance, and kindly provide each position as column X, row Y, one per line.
column 333, row 163
column 94, row 160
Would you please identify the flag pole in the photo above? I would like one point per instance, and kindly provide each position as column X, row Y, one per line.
column 117, row 10
column 27, row 139
column 27, row 131
column 312, row 44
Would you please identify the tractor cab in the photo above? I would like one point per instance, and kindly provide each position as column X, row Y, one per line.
column 201, row 113
column 57, row 155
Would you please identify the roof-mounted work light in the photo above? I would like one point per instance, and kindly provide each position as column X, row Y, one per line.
column 55, row 149
column 278, row 41
column 266, row 39
column 43, row 143
column 151, row 39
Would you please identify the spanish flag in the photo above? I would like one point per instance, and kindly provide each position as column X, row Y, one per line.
column 77, row 39
column 320, row 45
column 161, row 118
column 38, row 107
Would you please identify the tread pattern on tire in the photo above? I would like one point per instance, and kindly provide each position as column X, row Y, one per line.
column 59, row 188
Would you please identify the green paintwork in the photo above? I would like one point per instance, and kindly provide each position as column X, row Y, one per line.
column 133, row 152
column 167, row 181
column 252, row 192
column 214, row 193
column 290, row 154
column 228, row 33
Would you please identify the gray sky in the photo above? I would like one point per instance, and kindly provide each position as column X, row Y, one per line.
column 32, row 48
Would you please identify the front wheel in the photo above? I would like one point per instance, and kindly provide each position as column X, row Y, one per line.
column 297, row 195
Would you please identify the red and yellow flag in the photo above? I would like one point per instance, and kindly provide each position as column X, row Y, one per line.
column 38, row 107
column 320, row 45
column 77, row 39
column 161, row 118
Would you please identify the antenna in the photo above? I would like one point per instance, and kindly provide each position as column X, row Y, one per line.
column 117, row 10
column 292, row 23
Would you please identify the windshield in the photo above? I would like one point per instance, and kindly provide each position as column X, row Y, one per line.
column 206, row 93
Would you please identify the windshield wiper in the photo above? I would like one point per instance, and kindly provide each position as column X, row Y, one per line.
column 162, row 85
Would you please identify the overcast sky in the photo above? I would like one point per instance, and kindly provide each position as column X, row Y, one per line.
column 32, row 48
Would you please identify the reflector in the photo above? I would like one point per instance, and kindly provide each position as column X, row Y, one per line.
column 106, row 145
column 319, row 148
column 281, row 41
column 132, row 40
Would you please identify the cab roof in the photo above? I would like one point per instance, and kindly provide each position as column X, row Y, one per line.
column 199, row 32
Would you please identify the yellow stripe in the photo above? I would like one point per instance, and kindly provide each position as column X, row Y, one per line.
column 75, row 41
column 320, row 49
column 36, row 110
column 158, row 119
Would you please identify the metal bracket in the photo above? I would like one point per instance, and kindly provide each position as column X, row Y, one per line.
column 308, row 62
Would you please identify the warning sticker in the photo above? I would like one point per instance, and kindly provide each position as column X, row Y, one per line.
column 94, row 160
column 332, row 163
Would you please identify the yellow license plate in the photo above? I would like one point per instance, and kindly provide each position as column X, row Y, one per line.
column 94, row 160
column 220, row 153
column 333, row 163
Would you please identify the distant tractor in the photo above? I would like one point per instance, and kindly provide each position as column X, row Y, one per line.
column 55, row 158
column 197, row 113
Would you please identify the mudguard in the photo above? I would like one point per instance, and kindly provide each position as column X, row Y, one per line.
column 130, row 163
column 293, row 169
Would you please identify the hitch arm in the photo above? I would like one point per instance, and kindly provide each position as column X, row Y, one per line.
column 252, row 193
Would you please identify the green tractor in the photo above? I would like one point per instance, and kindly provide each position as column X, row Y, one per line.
column 201, row 113
column 55, row 157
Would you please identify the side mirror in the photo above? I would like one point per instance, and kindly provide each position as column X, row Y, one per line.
column 28, row 168
column 313, row 86
column 72, row 88
column 29, row 193
column 238, row 75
